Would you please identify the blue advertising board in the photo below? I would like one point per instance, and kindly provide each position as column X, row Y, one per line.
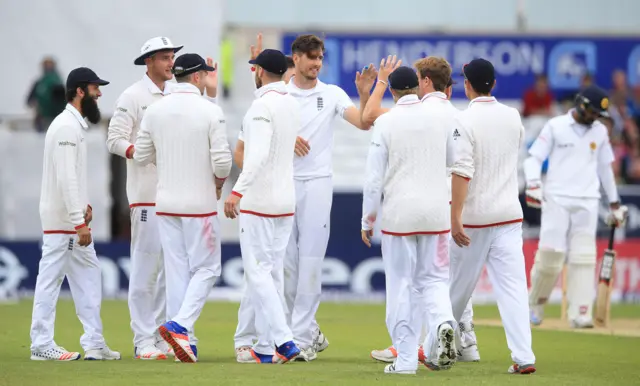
column 517, row 59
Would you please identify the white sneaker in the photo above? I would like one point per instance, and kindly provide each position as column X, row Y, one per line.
column 582, row 321
column 391, row 369
column 536, row 314
column 101, row 354
column 164, row 348
column 469, row 354
column 446, row 346
column 307, row 354
column 55, row 354
column 388, row 355
column 150, row 353
column 320, row 343
column 243, row 355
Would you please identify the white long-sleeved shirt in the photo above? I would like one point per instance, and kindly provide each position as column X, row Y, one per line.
column 319, row 108
column 270, row 129
column 185, row 135
column 488, row 138
column 63, row 196
column 122, row 133
column 408, row 158
column 579, row 159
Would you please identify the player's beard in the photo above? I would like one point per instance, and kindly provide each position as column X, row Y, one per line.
column 258, row 81
column 90, row 108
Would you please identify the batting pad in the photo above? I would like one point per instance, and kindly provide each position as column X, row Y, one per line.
column 544, row 275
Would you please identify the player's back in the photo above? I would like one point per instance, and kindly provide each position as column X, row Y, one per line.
column 415, row 186
column 489, row 136
column 180, row 126
column 273, row 191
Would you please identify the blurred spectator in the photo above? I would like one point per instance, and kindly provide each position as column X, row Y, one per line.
column 567, row 99
column 47, row 95
column 538, row 99
column 620, row 93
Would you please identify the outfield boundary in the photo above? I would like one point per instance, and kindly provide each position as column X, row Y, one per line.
column 619, row 327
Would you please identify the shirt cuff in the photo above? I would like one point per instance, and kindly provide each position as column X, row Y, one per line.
column 129, row 153
column 236, row 194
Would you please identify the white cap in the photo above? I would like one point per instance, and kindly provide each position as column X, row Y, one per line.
column 154, row 45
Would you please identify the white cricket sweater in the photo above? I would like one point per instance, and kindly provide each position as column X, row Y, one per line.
column 185, row 135
column 270, row 129
column 407, row 162
column 63, row 196
column 488, row 138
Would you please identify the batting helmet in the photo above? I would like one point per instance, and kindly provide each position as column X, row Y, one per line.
column 592, row 98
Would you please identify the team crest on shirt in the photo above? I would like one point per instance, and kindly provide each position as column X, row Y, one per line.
column 320, row 103
column 592, row 146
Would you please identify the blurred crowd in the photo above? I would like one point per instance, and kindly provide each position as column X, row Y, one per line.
column 623, row 124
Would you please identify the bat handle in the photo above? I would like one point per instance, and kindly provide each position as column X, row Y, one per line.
column 612, row 234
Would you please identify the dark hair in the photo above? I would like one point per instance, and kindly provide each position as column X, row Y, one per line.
column 72, row 92
column 482, row 89
column 290, row 63
column 304, row 44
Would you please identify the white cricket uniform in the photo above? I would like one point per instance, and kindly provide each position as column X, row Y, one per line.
column 580, row 160
column 488, row 138
column 147, row 292
column 466, row 334
column 185, row 136
column 408, row 158
column 63, row 204
column 267, row 208
column 320, row 107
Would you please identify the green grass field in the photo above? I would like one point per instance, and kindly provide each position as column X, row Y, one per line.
column 563, row 358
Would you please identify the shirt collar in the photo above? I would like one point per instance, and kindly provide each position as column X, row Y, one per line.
column 482, row 99
column 279, row 87
column 435, row 95
column 153, row 88
column 76, row 114
column 295, row 90
column 408, row 100
column 185, row 88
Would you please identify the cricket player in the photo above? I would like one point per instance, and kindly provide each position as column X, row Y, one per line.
column 65, row 213
column 580, row 156
column 486, row 216
column 435, row 83
column 321, row 105
column 146, row 297
column 185, row 136
column 266, row 196
column 410, row 151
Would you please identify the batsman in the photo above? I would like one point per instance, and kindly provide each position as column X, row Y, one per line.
column 580, row 156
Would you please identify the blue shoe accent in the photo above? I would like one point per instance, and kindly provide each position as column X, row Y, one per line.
column 194, row 349
column 175, row 328
column 534, row 319
column 288, row 351
column 262, row 358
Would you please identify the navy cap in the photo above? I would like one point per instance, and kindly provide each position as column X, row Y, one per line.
column 188, row 64
column 594, row 98
column 83, row 75
column 272, row 61
column 480, row 73
column 403, row 78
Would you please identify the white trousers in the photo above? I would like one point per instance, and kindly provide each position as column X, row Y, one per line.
column 500, row 248
column 416, row 275
column 569, row 225
column 191, row 248
column 147, row 291
column 62, row 256
column 305, row 254
column 263, row 242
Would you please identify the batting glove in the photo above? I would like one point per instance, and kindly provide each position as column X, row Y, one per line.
column 618, row 217
column 533, row 195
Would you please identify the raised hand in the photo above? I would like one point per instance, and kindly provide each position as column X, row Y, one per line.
column 387, row 66
column 257, row 49
column 366, row 79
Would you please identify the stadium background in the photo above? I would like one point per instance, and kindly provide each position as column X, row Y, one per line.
column 564, row 40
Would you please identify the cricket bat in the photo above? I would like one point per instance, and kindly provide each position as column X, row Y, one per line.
column 605, row 283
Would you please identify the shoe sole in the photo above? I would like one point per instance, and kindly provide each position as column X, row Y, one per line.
column 160, row 357
column 525, row 371
column 179, row 352
column 383, row 360
column 447, row 357
column 283, row 359
column 37, row 358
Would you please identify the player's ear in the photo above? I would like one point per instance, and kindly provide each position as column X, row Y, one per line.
column 493, row 85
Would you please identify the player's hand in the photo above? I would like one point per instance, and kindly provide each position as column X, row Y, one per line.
column 366, row 237
column 533, row 196
column 88, row 215
column 366, row 79
column 387, row 66
column 84, row 236
column 211, row 81
column 457, row 232
column 231, row 206
column 618, row 216
column 218, row 193
column 302, row 147
column 257, row 49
